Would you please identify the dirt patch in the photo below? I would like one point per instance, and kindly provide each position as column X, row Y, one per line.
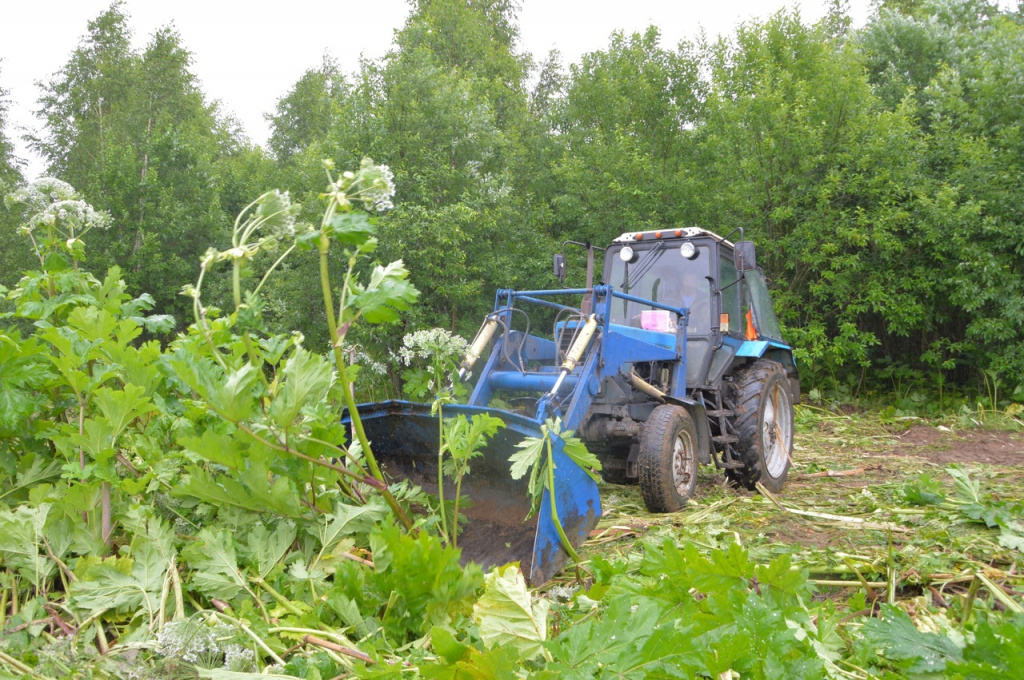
column 790, row 530
column 993, row 447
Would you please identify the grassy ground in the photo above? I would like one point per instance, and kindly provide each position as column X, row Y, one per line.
column 852, row 511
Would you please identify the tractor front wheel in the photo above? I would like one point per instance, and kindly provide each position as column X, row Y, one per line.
column 764, row 425
column 667, row 461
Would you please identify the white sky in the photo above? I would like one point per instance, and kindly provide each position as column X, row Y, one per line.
column 248, row 54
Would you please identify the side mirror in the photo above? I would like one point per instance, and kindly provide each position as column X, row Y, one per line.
column 744, row 256
column 560, row 267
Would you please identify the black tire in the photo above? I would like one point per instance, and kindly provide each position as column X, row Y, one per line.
column 764, row 425
column 667, row 462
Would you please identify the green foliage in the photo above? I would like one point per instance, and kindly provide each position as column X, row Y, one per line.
column 997, row 651
column 192, row 504
column 508, row 616
column 419, row 581
column 536, row 458
column 970, row 505
column 133, row 132
column 896, row 636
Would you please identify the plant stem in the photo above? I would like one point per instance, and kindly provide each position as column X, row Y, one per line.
column 357, row 426
column 267, row 274
column 236, row 282
column 256, row 638
column 350, row 402
column 18, row 666
column 281, row 599
column 554, row 508
column 105, row 512
column 440, row 473
column 455, row 513
column 972, row 592
column 998, row 594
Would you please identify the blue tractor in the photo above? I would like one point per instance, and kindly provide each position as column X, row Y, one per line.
column 675, row 359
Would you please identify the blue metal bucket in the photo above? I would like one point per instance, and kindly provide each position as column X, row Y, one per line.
column 404, row 439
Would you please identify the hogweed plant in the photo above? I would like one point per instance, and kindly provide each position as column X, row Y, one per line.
column 536, row 457
column 96, row 402
column 432, row 358
column 56, row 218
column 291, row 406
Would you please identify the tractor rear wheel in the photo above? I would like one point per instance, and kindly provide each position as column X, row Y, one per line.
column 667, row 462
column 764, row 425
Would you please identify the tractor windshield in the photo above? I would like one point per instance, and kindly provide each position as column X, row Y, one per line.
column 661, row 274
column 764, row 311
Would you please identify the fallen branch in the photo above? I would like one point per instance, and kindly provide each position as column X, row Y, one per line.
column 999, row 594
column 340, row 649
column 835, row 473
column 860, row 522
column 867, row 585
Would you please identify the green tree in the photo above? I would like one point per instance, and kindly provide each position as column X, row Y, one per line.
column 962, row 62
column 448, row 110
column 133, row 131
column 623, row 120
column 15, row 257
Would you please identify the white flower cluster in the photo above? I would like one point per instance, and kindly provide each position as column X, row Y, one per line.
column 51, row 203
column 435, row 342
column 372, row 185
column 206, row 646
column 358, row 356
column 277, row 213
column 377, row 185
column 239, row 659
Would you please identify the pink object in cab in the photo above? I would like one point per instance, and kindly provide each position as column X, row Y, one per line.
column 657, row 320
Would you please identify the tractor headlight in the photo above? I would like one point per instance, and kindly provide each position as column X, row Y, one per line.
column 626, row 254
column 688, row 250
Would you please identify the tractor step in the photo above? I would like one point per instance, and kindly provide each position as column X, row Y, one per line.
column 719, row 413
column 725, row 439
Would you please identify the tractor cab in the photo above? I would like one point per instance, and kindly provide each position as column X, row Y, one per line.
column 715, row 279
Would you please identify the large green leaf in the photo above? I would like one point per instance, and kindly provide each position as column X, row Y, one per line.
column 577, row 451
column 93, row 323
column 213, row 559
column 528, row 454
column 996, row 653
column 347, row 520
column 507, row 615
column 351, row 229
column 97, row 438
column 896, row 637
column 121, row 407
column 251, row 490
column 232, row 394
column 387, row 293
column 266, row 547
column 21, row 542
column 108, row 586
column 122, row 584
column 223, row 449
column 463, row 438
column 305, row 380
column 24, row 368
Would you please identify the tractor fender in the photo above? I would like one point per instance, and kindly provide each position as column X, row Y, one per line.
column 700, row 419
column 778, row 352
column 699, row 415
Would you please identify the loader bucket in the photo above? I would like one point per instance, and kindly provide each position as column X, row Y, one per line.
column 404, row 439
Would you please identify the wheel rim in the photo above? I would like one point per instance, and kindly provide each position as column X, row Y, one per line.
column 777, row 432
column 682, row 464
